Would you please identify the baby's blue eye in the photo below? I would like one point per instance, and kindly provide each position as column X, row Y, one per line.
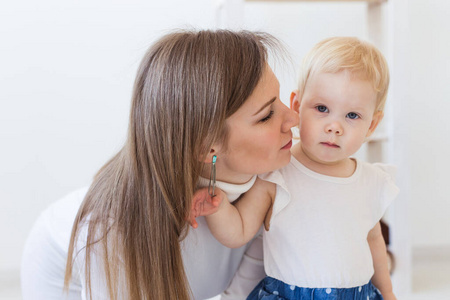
column 322, row 108
column 352, row 115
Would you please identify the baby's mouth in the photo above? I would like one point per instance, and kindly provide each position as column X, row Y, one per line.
column 330, row 144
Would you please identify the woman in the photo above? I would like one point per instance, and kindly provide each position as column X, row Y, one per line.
column 197, row 95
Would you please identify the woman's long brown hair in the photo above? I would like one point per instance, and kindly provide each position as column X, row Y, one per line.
column 133, row 217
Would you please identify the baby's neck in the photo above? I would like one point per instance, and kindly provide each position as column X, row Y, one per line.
column 342, row 168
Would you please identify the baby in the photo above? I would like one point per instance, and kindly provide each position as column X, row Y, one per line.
column 321, row 213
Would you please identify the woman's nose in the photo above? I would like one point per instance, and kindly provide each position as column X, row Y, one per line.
column 334, row 127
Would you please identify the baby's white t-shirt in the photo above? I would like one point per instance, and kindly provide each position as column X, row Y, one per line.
column 319, row 224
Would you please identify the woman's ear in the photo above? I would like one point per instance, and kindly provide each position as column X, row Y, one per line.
column 377, row 117
column 294, row 101
column 209, row 156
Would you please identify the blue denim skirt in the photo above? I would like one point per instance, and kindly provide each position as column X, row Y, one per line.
column 272, row 289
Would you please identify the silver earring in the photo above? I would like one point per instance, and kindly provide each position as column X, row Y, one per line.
column 212, row 177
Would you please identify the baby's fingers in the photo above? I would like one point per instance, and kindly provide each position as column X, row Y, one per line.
column 215, row 201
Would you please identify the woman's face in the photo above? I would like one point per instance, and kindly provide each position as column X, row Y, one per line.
column 259, row 134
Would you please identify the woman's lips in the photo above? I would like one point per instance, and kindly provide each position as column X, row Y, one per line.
column 287, row 146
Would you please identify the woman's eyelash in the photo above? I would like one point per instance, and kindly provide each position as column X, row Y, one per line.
column 266, row 118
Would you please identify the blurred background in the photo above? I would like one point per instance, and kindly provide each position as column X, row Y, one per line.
column 66, row 75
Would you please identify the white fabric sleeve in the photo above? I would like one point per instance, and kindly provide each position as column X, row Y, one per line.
column 249, row 273
column 283, row 196
column 43, row 266
column 387, row 189
column 99, row 288
column 45, row 252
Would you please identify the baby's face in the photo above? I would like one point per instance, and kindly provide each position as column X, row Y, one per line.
column 336, row 113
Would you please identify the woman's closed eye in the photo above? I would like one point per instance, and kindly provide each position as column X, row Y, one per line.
column 353, row 116
column 267, row 118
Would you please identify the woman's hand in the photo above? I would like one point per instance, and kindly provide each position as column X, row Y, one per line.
column 203, row 204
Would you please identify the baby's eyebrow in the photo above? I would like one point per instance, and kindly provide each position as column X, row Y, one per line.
column 265, row 105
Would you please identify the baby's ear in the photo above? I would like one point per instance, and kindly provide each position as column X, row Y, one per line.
column 294, row 101
column 377, row 117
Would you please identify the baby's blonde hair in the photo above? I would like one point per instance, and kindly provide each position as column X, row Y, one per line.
column 337, row 54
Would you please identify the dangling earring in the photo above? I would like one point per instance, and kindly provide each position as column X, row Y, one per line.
column 212, row 177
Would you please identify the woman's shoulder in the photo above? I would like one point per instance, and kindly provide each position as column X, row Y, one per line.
column 56, row 221
column 69, row 202
column 45, row 251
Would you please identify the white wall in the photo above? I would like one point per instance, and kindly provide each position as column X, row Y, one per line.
column 301, row 25
column 67, row 69
column 429, row 128
column 66, row 74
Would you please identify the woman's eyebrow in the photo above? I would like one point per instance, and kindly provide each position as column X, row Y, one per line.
column 265, row 105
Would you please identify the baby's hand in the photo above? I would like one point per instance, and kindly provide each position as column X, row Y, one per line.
column 203, row 204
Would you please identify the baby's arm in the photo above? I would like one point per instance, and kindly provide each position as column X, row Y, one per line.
column 235, row 224
column 381, row 278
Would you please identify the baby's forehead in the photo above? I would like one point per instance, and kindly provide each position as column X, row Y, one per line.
column 348, row 76
column 341, row 88
column 351, row 74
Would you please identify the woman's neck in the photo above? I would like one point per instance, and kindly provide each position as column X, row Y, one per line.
column 228, row 177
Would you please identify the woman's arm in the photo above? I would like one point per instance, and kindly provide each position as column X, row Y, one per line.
column 235, row 224
column 381, row 278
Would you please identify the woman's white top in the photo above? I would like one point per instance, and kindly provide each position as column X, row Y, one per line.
column 45, row 253
column 319, row 225
column 210, row 266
